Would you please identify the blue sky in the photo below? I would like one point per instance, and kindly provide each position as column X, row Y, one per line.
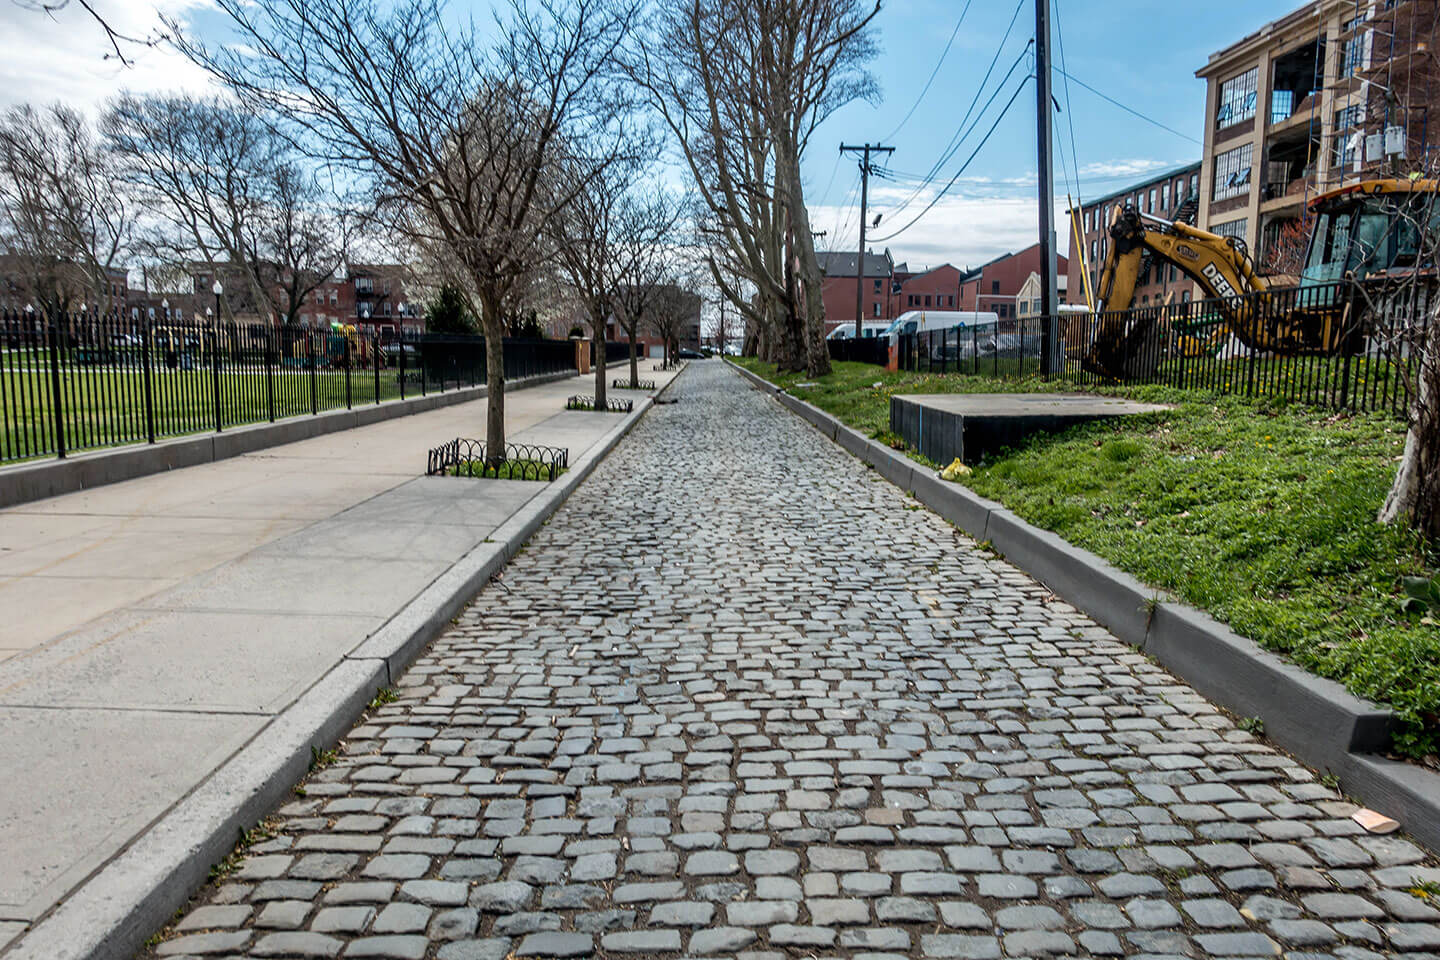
column 1140, row 52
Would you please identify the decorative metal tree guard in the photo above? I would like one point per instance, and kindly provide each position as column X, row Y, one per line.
column 522, row 461
column 625, row 384
column 580, row 402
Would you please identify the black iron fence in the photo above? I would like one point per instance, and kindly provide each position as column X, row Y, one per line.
column 864, row 350
column 1347, row 345
column 85, row 382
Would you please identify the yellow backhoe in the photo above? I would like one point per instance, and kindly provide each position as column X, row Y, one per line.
column 1367, row 229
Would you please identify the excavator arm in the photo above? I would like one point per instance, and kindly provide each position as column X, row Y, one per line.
column 1127, row 342
column 1218, row 264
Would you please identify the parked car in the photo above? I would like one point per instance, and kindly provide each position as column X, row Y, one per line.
column 685, row 353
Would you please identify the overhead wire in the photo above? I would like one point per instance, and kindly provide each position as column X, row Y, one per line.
column 960, row 130
column 960, row 137
column 926, row 89
column 978, row 147
column 1127, row 109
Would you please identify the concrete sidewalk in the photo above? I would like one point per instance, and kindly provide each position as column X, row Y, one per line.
column 154, row 626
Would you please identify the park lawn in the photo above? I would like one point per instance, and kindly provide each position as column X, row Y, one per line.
column 106, row 407
column 1261, row 513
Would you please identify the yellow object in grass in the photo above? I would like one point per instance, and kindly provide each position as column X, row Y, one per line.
column 955, row 471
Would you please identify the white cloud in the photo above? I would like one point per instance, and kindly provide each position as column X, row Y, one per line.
column 960, row 230
column 61, row 56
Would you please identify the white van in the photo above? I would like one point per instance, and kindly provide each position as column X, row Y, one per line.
column 918, row 321
column 868, row 330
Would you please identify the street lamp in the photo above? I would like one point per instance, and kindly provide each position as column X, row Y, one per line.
column 217, row 290
column 165, row 306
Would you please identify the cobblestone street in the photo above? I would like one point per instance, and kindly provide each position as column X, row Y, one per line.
column 741, row 695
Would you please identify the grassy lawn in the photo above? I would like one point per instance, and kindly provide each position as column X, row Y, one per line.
column 106, row 406
column 1258, row 512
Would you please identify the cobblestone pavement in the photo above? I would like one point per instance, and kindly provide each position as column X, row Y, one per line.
column 740, row 695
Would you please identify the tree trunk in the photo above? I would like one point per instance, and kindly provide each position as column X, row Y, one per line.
column 634, row 363
column 598, row 325
column 1415, row 496
column 494, row 329
column 807, row 267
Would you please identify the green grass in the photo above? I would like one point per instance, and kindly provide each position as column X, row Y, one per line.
column 516, row 468
column 106, row 407
column 1259, row 512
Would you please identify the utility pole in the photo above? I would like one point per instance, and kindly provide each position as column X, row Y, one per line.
column 864, row 150
column 1047, row 186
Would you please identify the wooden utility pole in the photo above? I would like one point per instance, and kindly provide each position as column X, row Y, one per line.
column 1047, row 185
column 864, row 150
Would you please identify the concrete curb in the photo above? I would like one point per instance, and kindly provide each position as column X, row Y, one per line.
column 26, row 482
column 1316, row 719
column 112, row 913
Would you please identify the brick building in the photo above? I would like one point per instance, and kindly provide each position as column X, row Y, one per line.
column 838, row 287
column 1331, row 93
column 993, row 287
column 1171, row 195
column 371, row 297
column 890, row 288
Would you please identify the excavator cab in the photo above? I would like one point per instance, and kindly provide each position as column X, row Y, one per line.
column 1378, row 227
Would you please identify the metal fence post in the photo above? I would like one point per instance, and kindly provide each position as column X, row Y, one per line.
column 310, row 362
column 57, row 402
column 270, row 370
column 375, row 347
column 401, row 344
column 215, row 373
column 348, row 365
column 148, row 374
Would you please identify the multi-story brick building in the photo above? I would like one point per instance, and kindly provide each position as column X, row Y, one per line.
column 1334, row 92
column 1171, row 195
column 993, row 287
column 937, row 288
column 370, row 297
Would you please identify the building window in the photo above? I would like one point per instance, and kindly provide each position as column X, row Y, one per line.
column 1232, row 173
column 995, row 288
column 927, row 299
column 1152, row 200
column 877, row 286
column 1195, row 185
column 950, row 300
column 1237, row 99
column 1348, row 135
column 1165, row 197
column 1355, row 51
column 1230, row 228
column 876, row 305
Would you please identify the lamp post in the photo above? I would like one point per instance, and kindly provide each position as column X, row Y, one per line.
column 216, row 289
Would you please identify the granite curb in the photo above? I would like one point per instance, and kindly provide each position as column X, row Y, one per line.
column 1316, row 719
column 110, row 915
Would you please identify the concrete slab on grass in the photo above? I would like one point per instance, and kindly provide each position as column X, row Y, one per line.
column 943, row 426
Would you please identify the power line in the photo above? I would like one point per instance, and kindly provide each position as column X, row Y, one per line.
column 1131, row 110
column 926, row 89
column 960, row 130
column 1008, row 104
column 961, row 136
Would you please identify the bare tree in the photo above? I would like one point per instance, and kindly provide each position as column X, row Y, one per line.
column 64, row 222
column 457, row 137
column 644, row 265
column 673, row 308
column 113, row 35
column 742, row 85
column 1414, row 498
column 225, row 190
